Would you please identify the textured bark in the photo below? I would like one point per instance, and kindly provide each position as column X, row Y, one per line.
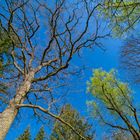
column 8, row 115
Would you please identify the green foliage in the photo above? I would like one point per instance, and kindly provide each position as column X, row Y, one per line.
column 5, row 60
column 112, row 103
column 41, row 134
column 26, row 135
column 63, row 132
column 122, row 15
column 109, row 92
column 5, row 47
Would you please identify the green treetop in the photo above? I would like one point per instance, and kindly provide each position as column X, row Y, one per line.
column 41, row 134
column 112, row 103
column 26, row 135
column 106, row 87
column 63, row 132
column 121, row 14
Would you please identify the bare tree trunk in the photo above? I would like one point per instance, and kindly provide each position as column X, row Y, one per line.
column 8, row 115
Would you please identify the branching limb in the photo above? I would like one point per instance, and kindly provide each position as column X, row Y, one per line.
column 16, row 65
column 52, row 115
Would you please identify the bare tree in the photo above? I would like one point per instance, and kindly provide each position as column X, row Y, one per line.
column 118, row 135
column 45, row 36
column 130, row 58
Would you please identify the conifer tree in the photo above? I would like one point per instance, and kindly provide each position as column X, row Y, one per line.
column 62, row 132
column 26, row 135
column 5, row 46
column 41, row 134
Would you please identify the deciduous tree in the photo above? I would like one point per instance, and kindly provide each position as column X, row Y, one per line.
column 113, row 103
column 122, row 15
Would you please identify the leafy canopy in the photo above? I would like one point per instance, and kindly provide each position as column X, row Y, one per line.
column 121, row 14
column 106, row 87
column 112, row 103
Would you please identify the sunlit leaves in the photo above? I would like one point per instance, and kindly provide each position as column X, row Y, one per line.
column 109, row 90
column 122, row 15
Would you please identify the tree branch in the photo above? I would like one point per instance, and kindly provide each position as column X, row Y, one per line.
column 52, row 115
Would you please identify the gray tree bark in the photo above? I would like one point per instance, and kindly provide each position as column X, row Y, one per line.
column 8, row 115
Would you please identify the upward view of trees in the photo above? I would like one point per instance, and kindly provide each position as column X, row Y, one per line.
column 38, row 41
